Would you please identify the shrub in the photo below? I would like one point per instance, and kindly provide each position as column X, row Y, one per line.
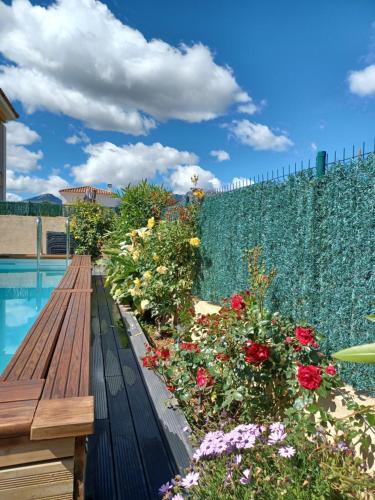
column 244, row 361
column 138, row 204
column 155, row 268
column 89, row 225
column 254, row 461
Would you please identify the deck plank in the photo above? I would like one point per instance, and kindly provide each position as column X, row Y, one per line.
column 100, row 481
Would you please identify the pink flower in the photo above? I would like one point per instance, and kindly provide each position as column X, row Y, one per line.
column 190, row 480
column 203, row 377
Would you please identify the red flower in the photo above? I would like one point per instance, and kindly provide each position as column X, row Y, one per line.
column 171, row 388
column 237, row 301
column 288, row 340
column 190, row 346
column 256, row 353
column 304, row 335
column 309, row 376
column 203, row 320
column 297, row 348
column 165, row 354
column 203, row 377
column 273, row 321
column 149, row 361
column 331, row 370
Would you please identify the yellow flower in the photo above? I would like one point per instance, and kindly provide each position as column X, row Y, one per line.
column 144, row 304
column 156, row 258
column 151, row 223
column 162, row 269
column 137, row 282
column 135, row 255
column 195, row 242
column 198, row 193
column 135, row 292
column 134, row 233
column 147, row 275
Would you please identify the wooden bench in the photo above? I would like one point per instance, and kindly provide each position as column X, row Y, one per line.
column 45, row 389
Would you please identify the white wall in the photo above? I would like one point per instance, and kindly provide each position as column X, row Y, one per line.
column 105, row 201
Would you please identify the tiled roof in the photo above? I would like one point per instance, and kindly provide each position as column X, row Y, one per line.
column 7, row 112
column 83, row 189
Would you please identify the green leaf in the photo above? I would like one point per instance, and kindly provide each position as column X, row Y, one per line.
column 364, row 353
column 371, row 317
column 371, row 419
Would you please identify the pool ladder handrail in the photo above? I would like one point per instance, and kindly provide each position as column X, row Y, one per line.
column 39, row 234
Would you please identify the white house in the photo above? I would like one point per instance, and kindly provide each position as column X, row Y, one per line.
column 7, row 113
column 104, row 197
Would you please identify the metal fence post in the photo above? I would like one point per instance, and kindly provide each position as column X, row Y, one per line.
column 321, row 163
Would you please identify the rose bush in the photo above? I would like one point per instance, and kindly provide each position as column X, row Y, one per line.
column 245, row 361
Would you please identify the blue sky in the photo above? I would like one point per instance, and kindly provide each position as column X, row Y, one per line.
column 151, row 89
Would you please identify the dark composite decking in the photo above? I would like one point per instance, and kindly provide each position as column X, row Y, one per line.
column 128, row 457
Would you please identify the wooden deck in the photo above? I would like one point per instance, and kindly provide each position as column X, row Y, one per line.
column 44, row 395
column 128, row 456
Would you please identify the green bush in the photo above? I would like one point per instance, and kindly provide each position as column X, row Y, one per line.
column 155, row 268
column 138, row 204
column 89, row 225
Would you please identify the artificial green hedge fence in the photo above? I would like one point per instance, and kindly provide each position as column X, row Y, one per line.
column 319, row 233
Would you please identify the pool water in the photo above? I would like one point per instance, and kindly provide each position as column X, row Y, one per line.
column 24, row 291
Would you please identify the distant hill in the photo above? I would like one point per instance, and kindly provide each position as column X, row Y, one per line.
column 45, row 198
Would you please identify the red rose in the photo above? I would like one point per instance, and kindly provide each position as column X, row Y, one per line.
column 256, row 353
column 331, row 370
column 297, row 348
column 190, row 346
column 304, row 335
column 237, row 301
column 149, row 361
column 203, row 377
column 309, row 376
column 288, row 340
column 171, row 388
column 165, row 354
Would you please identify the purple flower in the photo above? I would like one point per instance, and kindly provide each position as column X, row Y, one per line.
column 276, row 436
column 341, row 445
column 287, row 451
column 164, row 488
column 190, row 480
column 277, row 427
column 229, row 478
column 237, row 459
column 246, row 477
column 197, row 455
column 177, row 497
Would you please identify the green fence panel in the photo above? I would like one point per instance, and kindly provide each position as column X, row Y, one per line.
column 319, row 232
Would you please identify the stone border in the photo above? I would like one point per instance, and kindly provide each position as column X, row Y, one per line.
column 175, row 427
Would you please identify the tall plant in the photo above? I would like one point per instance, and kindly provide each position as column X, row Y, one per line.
column 89, row 225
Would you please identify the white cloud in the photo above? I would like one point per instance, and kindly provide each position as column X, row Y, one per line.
column 20, row 158
column 120, row 165
column 258, row 136
column 220, row 154
column 18, row 133
column 34, row 184
column 13, row 197
column 78, row 138
column 362, row 82
column 242, row 181
column 251, row 108
column 180, row 179
column 74, row 57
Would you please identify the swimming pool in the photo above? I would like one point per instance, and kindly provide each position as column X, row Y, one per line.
column 24, row 291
